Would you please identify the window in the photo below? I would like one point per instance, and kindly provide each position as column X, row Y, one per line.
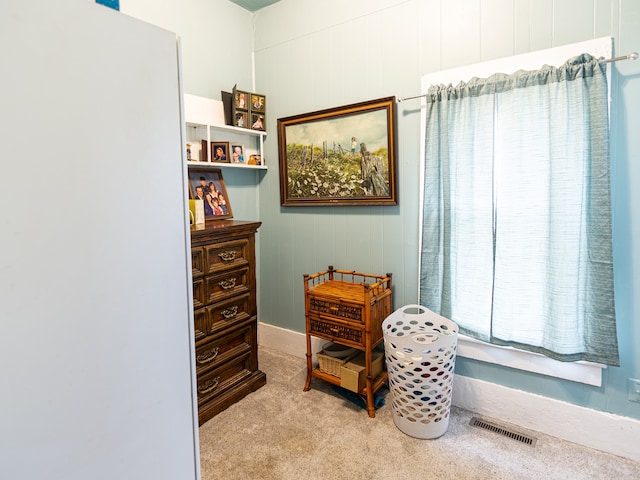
column 516, row 234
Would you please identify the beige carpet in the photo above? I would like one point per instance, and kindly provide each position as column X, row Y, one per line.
column 282, row 433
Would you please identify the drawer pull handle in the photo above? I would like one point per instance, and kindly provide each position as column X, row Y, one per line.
column 228, row 256
column 209, row 386
column 208, row 356
column 228, row 284
column 230, row 312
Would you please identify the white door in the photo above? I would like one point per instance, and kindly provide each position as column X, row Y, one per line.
column 95, row 340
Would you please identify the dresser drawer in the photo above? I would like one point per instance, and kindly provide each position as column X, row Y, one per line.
column 347, row 333
column 200, row 323
column 337, row 308
column 228, row 313
column 226, row 284
column 197, row 262
column 225, row 255
column 217, row 351
column 221, row 379
column 198, row 293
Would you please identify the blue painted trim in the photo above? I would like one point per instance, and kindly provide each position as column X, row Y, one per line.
column 115, row 4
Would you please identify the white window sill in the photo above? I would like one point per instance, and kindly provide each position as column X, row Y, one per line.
column 582, row 372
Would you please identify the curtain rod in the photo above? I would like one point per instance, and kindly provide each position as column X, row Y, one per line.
column 631, row 56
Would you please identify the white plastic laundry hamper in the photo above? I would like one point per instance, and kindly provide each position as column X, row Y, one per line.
column 420, row 352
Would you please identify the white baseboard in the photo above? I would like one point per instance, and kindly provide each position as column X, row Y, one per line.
column 592, row 428
column 286, row 341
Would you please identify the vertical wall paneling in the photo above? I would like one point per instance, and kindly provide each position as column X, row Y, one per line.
column 603, row 18
column 573, row 21
column 375, row 34
column 461, row 38
column 322, row 67
column 429, row 28
column 496, row 28
column 625, row 121
column 407, row 39
column 413, row 37
column 533, row 25
column 355, row 61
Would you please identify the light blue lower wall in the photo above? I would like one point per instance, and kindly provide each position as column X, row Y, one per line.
column 312, row 55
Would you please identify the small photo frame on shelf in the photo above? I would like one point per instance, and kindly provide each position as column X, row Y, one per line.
column 237, row 153
column 241, row 100
column 241, row 119
column 257, row 121
column 204, row 156
column 207, row 184
column 258, row 103
column 220, row 152
column 255, row 159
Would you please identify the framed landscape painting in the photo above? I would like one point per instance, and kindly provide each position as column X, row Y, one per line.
column 339, row 156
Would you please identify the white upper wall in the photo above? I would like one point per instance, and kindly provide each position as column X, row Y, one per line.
column 295, row 19
column 217, row 53
column 216, row 38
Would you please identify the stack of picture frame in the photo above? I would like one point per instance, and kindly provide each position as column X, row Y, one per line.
column 247, row 109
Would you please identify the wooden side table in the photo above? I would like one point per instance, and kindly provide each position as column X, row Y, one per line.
column 348, row 308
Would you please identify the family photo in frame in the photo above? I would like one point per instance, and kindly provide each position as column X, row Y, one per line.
column 207, row 184
column 339, row 156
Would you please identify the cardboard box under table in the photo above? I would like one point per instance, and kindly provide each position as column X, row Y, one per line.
column 353, row 374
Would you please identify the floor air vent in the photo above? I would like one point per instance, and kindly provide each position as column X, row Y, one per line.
column 492, row 427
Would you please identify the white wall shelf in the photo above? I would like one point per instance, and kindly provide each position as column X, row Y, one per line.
column 226, row 165
column 204, row 119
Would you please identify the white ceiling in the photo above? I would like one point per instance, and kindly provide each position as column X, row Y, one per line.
column 253, row 5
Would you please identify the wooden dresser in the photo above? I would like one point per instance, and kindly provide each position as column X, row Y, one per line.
column 225, row 314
